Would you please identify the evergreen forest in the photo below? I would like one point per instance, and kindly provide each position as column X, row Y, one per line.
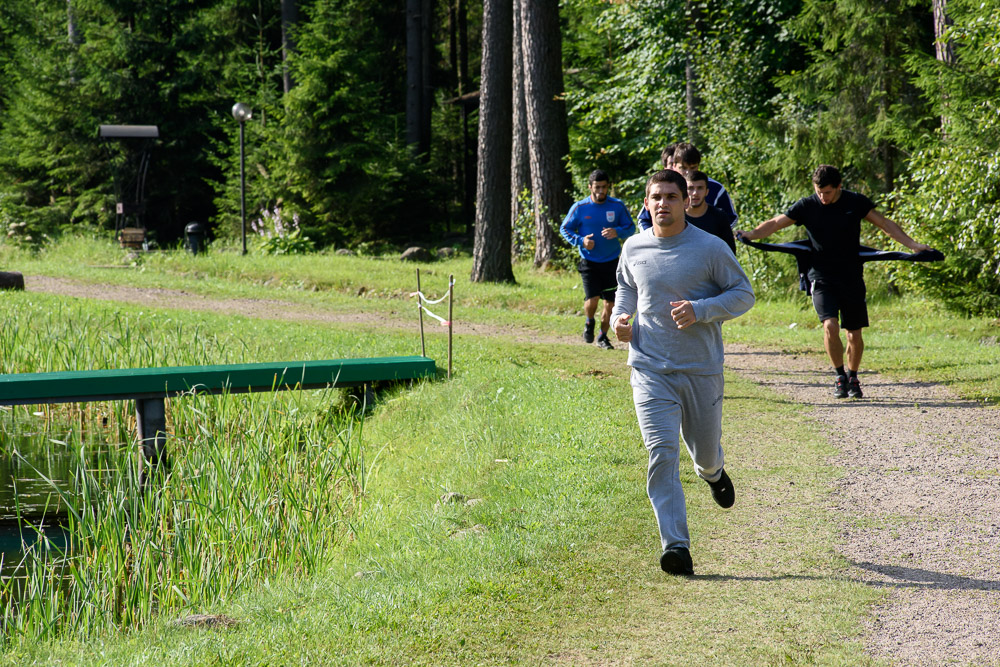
column 378, row 124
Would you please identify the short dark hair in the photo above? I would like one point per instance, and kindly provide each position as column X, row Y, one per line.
column 667, row 155
column 687, row 153
column 698, row 176
column 598, row 175
column 668, row 176
column 826, row 175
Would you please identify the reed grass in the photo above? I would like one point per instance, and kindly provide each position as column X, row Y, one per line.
column 260, row 485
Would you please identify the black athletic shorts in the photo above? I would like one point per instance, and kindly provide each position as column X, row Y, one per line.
column 599, row 279
column 843, row 298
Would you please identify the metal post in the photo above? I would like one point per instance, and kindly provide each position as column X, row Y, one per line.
column 151, row 426
column 420, row 312
column 243, row 191
column 451, row 299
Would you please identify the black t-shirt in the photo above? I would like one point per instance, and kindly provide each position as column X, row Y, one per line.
column 715, row 221
column 834, row 231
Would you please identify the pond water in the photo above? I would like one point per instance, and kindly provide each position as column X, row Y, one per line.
column 37, row 470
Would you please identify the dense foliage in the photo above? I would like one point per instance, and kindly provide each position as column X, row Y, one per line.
column 767, row 89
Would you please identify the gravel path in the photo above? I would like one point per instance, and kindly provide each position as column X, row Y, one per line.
column 272, row 309
column 922, row 488
column 921, row 480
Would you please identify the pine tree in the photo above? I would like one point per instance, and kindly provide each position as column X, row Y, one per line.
column 854, row 105
column 541, row 42
column 491, row 254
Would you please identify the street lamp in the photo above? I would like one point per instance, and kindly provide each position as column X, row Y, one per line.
column 242, row 113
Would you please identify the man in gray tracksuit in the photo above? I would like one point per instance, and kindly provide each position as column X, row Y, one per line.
column 680, row 283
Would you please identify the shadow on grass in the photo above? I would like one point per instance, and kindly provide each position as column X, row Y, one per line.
column 901, row 577
column 807, row 379
column 733, row 577
column 914, row 577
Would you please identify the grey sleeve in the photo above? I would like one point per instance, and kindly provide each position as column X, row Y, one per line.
column 627, row 295
column 737, row 295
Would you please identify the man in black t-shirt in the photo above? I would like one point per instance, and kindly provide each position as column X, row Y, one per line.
column 832, row 219
column 703, row 215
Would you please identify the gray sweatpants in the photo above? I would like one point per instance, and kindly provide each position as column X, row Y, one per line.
column 669, row 405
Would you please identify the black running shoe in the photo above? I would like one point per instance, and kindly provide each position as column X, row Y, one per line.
column 854, row 388
column 723, row 491
column 677, row 560
column 840, row 390
column 602, row 341
column 588, row 332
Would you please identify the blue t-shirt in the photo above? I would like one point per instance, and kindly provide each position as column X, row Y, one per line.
column 585, row 217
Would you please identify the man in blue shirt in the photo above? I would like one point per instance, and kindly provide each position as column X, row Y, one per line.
column 597, row 225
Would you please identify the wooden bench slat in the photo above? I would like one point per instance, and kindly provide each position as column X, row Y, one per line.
column 130, row 383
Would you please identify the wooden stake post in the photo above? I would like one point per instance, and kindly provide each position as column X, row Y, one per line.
column 451, row 299
column 420, row 312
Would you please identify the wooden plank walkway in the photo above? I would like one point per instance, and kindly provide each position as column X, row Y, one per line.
column 145, row 383
column 148, row 387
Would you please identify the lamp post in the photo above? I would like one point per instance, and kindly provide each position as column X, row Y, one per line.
column 242, row 113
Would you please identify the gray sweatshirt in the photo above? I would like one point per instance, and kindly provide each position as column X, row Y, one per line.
column 691, row 266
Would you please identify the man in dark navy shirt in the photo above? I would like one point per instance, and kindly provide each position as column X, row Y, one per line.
column 703, row 215
column 685, row 158
column 832, row 220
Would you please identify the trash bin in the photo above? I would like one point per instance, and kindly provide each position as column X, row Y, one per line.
column 194, row 234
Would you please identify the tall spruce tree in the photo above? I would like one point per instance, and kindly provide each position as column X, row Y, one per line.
column 491, row 254
column 854, row 105
column 520, row 168
column 50, row 162
column 345, row 166
column 541, row 42
column 962, row 158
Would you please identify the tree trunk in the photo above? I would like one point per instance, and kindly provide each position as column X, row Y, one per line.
column 426, row 89
column 693, row 102
column 541, row 43
column 74, row 36
column 464, row 86
column 463, row 47
column 289, row 17
column 944, row 49
column 453, row 47
column 520, row 169
column 491, row 252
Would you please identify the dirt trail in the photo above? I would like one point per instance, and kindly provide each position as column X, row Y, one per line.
column 272, row 309
column 922, row 487
column 921, row 479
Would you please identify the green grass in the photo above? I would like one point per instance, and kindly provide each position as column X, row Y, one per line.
column 909, row 336
column 559, row 561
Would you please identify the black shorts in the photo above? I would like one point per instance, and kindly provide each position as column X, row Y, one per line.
column 599, row 279
column 843, row 298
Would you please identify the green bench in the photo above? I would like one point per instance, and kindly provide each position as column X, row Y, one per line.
column 148, row 387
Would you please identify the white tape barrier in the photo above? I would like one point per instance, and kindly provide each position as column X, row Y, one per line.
column 422, row 299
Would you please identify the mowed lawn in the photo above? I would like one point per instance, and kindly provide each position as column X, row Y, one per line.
column 557, row 561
